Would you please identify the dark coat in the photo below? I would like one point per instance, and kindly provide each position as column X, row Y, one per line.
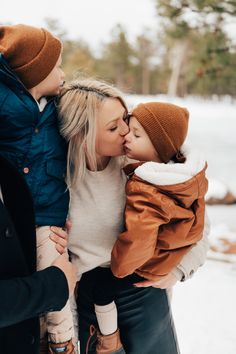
column 24, row 293
column 30, row 139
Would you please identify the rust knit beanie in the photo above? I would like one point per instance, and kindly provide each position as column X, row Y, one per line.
column 166, row 125
column 31, row 52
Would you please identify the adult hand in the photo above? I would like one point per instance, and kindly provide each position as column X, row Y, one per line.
column 60, row 237
column 165, row 282
column 68, row 269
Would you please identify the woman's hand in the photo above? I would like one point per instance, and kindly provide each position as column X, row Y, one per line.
column 165, row 282
column 60, row 237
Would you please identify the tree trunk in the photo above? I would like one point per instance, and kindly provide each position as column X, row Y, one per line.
column 145, row 79
column 177, row 56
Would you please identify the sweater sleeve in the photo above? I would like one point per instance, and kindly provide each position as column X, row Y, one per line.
column 27, row 297
column 196, row 256
column 144, row 213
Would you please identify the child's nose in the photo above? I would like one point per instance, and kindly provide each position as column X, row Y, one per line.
column 127, row 137
column 63, row 75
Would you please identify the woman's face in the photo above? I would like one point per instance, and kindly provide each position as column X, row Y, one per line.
column 111, row 128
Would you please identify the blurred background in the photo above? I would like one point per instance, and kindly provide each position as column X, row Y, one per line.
column 184, row 52
column 178, row 47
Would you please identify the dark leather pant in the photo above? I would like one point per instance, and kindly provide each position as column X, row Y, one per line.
column 144, row 318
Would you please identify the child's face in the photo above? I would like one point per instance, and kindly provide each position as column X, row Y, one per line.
column 51, row 86
column 138, row 146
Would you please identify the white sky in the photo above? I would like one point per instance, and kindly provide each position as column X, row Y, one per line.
column 91, row 20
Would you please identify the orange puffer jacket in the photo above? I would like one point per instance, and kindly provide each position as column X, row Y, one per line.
column 164, row 217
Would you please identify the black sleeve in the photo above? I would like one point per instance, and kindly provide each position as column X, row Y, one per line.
column 27, row 297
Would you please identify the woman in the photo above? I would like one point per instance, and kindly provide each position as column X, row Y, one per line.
column 93, row 120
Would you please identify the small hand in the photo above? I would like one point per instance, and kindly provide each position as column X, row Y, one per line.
column 60, row 237
column 165, row 282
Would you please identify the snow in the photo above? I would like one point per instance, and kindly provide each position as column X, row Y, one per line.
column 204, row 310
column 216, row 189
column 204, row 307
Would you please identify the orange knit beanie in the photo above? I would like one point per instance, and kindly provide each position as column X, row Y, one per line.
column 31, row 52
column 166, row 125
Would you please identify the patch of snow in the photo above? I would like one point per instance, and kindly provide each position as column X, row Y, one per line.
column 204, row 306
column 222, row 230
column 216, row 189
column 204, row 310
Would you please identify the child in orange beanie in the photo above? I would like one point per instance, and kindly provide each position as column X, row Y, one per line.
column 30, row 78
column 165, row 208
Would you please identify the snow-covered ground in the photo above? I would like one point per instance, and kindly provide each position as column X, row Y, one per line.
column 204, row 307
column 205, row 312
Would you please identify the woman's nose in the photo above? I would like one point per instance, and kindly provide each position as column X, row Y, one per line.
column 124, row 129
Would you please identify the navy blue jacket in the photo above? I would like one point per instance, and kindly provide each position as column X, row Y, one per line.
column 30, row 139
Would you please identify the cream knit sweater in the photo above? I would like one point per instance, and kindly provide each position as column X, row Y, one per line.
column 96, row 212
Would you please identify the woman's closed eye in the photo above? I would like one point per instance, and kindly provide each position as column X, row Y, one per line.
column 113, row 129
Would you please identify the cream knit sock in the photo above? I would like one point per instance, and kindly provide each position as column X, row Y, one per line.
column 107, row 318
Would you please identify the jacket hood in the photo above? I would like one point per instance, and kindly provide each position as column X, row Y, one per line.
column 186, row 182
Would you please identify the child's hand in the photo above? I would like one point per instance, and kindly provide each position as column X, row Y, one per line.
column 60, row 237
column 165, row 282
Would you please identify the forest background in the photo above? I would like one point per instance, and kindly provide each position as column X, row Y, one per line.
column 191, row 52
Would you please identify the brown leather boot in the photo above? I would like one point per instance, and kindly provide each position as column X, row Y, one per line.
column 64, row 348
column 110, row 344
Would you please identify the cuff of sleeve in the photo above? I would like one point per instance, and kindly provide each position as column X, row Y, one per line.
column 57, row 286
column 178, row 273
column 185, row 274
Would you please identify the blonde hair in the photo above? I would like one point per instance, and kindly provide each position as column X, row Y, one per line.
column 78, row 105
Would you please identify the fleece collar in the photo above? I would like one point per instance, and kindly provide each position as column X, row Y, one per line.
column 171, row 173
